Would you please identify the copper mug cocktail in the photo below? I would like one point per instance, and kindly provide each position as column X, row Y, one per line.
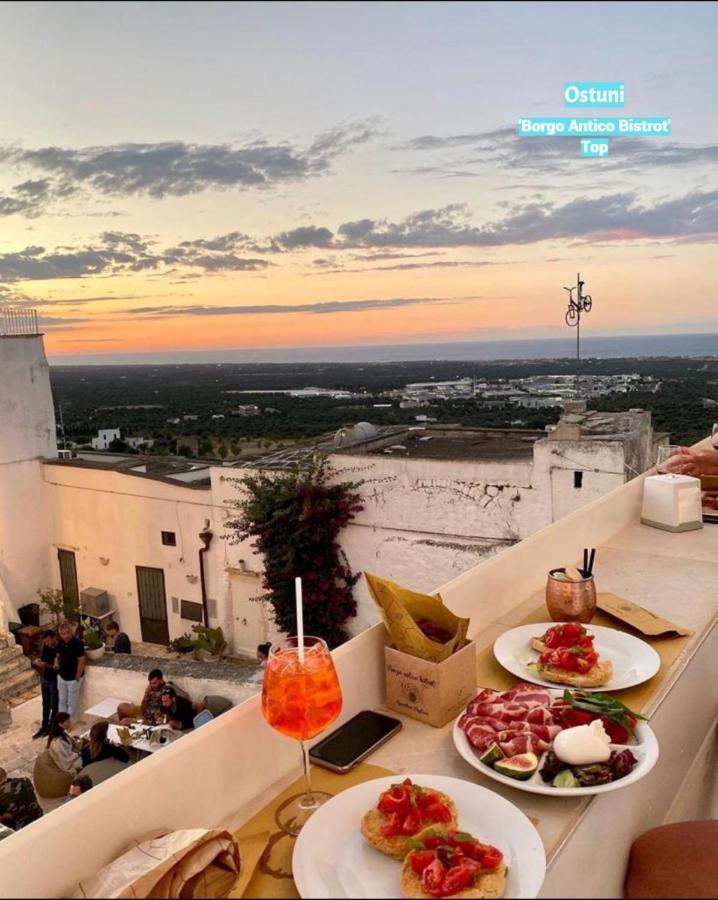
column 570, row 601
column 300, row 699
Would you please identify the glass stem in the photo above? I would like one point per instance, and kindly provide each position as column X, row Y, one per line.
column 307, row 773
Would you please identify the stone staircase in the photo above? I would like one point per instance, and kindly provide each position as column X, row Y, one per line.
column 18, row 680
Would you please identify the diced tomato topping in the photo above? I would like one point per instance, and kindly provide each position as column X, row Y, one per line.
column 462, row 841
column 392, row 826
column 394, row 799
column 420, row 859
column 433, row 841
column 492, row 858
column 571, row 630
column 457, row 878
column 579, row 657
column 438, row 812
column 412, row 822
column 432, row 879
column 426, row 798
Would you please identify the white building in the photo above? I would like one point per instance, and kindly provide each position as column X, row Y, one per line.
column 105, row 436
column 442, row 499
column 137, row 442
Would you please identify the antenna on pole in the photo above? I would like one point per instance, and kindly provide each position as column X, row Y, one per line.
column 582, row 304
column 62, row 428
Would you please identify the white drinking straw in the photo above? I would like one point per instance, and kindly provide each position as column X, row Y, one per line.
column 300, row 618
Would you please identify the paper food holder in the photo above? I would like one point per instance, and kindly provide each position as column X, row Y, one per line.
column 672, row 502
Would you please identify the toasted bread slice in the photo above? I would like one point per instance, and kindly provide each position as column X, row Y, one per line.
column 396, row 846
column 489, row 884
column 597, row 676
column 538, row 645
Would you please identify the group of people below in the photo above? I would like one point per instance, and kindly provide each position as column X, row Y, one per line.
column 61, row 665
column 18, row 801
column 163, row 703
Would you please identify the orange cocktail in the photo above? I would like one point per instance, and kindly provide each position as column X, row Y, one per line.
column 301, row 699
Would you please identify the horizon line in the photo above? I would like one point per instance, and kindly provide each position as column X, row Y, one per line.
column 160, row 357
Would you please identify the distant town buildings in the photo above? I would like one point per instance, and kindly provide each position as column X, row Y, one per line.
column 105, row 436
column 137, row 442
column 532, row 392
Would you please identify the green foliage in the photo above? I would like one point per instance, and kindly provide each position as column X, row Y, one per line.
column 182, row 644
column 210, row 639
column 93, row 638
column 61, row 608
column 295, row 517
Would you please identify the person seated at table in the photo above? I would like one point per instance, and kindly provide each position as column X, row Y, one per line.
column 97, row 747
column 149, row 709
column 120, row 642
column 18, row 802
column 80, row 785
column 178, row 712
column 61, row 745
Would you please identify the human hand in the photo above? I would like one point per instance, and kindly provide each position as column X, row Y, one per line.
column 689, row 461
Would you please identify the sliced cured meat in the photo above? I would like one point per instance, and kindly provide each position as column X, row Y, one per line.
column 539, row 715
column 519, row 720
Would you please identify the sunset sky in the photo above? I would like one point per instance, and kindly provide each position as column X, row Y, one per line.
column 228, row 175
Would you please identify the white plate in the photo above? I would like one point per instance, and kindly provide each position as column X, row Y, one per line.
column 645, row 750
column 332, row 859
column 634, row 661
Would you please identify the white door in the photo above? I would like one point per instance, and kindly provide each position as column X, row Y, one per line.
column 250, row 618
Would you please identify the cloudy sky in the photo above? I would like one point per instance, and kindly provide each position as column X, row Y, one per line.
column 227, row 175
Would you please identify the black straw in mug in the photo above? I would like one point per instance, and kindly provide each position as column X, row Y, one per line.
column 591, row 561
column 585, row 562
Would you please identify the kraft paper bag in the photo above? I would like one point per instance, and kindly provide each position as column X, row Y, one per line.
column 401, row 609
column 164, row 865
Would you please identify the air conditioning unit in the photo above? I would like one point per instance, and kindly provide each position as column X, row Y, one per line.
column 94, row 602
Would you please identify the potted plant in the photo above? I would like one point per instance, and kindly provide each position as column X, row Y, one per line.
column 209, row 645
column 94, row 644
column 60, row 607
column 182, row 645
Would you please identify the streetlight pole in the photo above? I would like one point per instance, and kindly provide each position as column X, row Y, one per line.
column 582, row 304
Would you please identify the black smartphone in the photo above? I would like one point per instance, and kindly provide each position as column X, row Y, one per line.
column 349, row 744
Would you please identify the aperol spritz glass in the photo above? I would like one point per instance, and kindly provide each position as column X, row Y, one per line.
column 300, row 699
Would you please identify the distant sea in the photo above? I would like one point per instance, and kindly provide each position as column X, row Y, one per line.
column 597, row 347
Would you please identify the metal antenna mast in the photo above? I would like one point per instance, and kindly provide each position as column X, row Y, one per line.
column 582, row 304
column 62, row 428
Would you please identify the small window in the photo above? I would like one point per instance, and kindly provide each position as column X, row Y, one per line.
column 192, row 611
column 169, row 539
column 578, row 479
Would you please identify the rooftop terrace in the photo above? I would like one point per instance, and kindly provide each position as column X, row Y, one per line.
column 485, row 444
column 238, row 764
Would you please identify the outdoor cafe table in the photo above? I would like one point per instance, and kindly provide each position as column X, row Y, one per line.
column 142, row 744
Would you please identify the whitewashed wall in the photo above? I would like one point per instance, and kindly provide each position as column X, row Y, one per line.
column 27, row 435
column 113, row 522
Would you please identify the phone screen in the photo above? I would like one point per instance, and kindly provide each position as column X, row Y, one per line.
column 350, row 741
